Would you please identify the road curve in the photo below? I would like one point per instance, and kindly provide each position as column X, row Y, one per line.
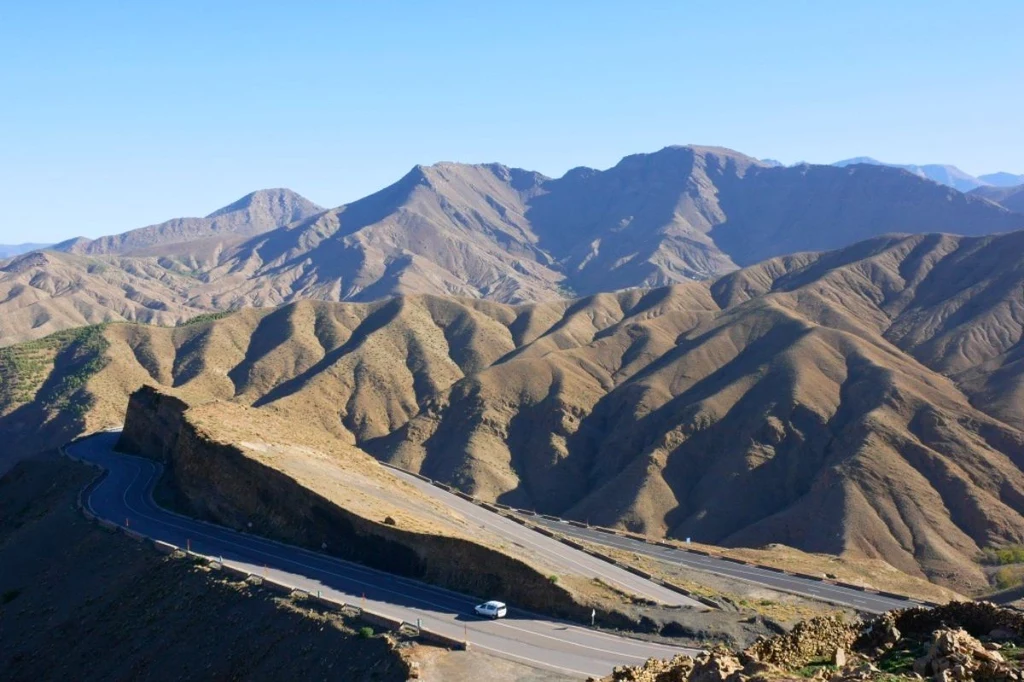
column 557, row 554
column 813, row 589
column 124, row 496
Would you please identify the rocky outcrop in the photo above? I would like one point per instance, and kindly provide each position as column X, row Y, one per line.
column 809, row 640
column 219, row 482
column 955, row 655
column 830, row 649
column 152, row 424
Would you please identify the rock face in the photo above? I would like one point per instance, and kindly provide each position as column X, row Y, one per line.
column 219, row 482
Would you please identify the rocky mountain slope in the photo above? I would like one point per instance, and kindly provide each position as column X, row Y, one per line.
column 484, row 231
column 865, row 401
column 1009, row 197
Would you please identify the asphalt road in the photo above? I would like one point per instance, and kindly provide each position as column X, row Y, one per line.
column 863, row 601
column 125, row 497
column 552, row 551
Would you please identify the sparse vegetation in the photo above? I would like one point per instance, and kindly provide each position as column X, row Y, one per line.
column 1002, row 556
column 26, row 369
column 1007, row 577
column 813, row 668
column 205, row 317
column 900, row 659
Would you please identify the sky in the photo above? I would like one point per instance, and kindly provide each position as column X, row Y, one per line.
column 118, row 115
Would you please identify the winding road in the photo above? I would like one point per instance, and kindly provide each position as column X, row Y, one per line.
column 814, row 589
column 124, row 497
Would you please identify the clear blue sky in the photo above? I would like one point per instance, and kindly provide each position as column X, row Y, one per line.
column 117, row 115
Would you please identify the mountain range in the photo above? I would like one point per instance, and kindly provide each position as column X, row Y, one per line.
column 692, row 343
column 865, row 401
column 483, row 231
column 12, row 250
column 251, row 215
column 1009, row 197
column 944, row 174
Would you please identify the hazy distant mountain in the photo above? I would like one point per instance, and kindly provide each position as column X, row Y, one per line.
column 12, row 250
column 1002, row 179
column 951, row 176
column 253, row 214
column 486, row 231
column 1010, row 197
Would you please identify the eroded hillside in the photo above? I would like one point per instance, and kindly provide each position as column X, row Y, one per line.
column 862, row 401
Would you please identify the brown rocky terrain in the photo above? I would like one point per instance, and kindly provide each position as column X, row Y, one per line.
column 862, row 402
column 483, row 231
column 250, row 470
column 79, row 603
column 959, row 641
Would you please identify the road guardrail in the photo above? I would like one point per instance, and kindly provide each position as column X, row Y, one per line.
column 503, row 509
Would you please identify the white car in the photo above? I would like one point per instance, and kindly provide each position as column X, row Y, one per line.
column 491, row 609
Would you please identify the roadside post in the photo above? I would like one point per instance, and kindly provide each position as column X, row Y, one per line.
column 593, row 616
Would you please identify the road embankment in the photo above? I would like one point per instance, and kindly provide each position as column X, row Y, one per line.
column 222, row 483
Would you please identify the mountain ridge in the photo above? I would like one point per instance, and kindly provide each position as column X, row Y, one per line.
column 679, row 214
column 1011, row 198
column 252, row 214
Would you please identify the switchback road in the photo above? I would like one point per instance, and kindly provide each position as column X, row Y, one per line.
column 124, row 496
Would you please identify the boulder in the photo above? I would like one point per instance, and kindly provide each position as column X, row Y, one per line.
column 955, row 656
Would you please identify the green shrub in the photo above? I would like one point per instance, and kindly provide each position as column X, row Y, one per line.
column 1002, row 556
column 1006, row 578
column 366, row 632
column 205, row 317
column 52, row 370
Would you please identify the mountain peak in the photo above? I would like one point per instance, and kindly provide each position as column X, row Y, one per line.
column 279, row 198
column 253, row 214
